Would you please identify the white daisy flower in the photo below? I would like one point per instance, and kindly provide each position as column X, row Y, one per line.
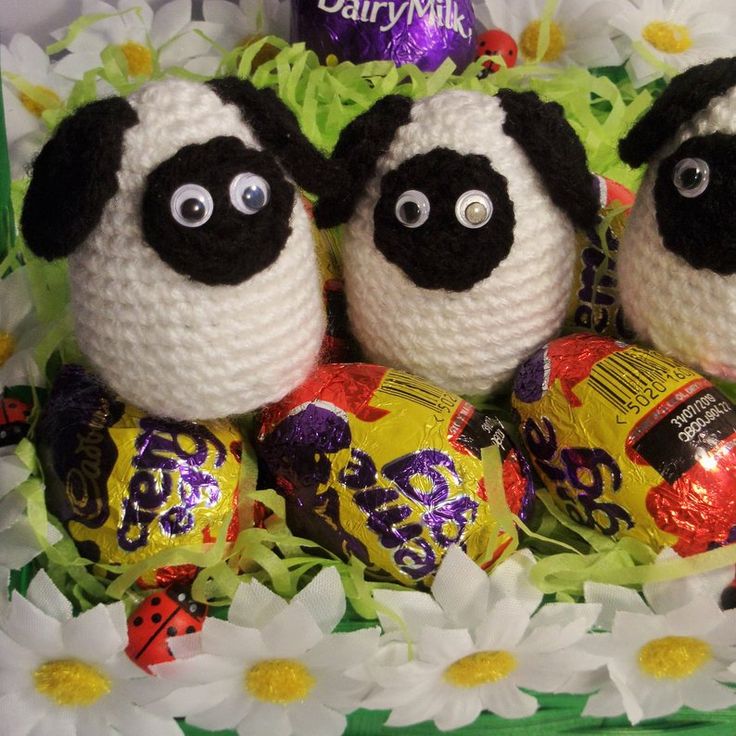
column 670, row 651
column 476, row 641
column 20, row 333
column 70, row 676
column 18, row 541
column 234, row 25
column 674, row 35
column 30, row 88
column 579, row 33
column 149, row 41
column 273, row 667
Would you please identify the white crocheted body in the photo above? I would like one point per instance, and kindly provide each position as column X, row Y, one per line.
column 469, row 342
column 685, row 312
column 170, row 345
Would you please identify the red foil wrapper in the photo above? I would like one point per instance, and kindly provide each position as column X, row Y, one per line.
column 631, row 442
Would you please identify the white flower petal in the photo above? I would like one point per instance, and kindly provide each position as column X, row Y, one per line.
column 461, row 588
column 224, row 639
column 613, row 598
column 511, row 580
column 324, row 599
column 504, row 625
column 62, row 722
column 695, row 618
column 187, row 701
column 133, row 721
column 32, row 628
column 606, row 703
column 45, row 595
column 12, row 473
column 185, row 646
column 559, row 625
column 20, row 714
column 417, row 710
column 226, row 714
column 410, row 608
column 75, row 65
column 314, row 719
column 267, row 719
column 228, row 15
column 707, row 695
column 254, row 605
column 169, row 20
column 460, row 711
column 339, row 692
column 442, row 646
column 291, row 633
column 203, row 667
column 93, row 636
column 507, row 701
column 91, row 723
column 343, row 650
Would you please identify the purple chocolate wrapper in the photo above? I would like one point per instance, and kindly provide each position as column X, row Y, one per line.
column 421, row 32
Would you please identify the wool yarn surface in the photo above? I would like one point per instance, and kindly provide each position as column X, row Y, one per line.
column 165, row 341
column 453, row 314
column 677, row 257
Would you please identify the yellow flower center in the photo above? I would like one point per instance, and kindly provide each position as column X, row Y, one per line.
column 71, row 683
column 139, row 58
column 7, row 346
column 480, row 669
column 43, row 99
column 529, row 41
column 672, row 38
column 279, row 681
column 674, row 657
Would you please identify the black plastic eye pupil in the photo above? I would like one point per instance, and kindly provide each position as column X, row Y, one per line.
column 410, row 212
column 192, row 209
column 254, row 198
column 691, row 177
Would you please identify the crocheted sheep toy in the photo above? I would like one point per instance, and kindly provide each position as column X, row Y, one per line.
column 194, row 282
column 677, row 258
column 459, row 244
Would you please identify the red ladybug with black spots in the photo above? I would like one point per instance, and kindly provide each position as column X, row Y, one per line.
column 496, row 43
column 166, row 613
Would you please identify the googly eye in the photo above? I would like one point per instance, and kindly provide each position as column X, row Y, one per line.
column 191, row 205
column 473, row 208
column 412, row 208
column 249, row 193
column 691, row 177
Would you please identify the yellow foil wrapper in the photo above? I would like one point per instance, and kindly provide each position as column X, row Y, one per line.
column 594, row 302
column 386, row 466
column 126, row 484
column 630, row 442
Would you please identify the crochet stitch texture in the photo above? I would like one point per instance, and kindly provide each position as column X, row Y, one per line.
column 169, row 344
column 467, row 341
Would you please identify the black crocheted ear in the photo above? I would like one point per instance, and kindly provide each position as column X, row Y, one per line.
column 555, row 151
column 74, row 176
column 687, row 94
column 362, row 142
column 277, row 129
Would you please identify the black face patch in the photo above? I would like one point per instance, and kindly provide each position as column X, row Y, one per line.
column 695, row 197
column 425, row 235
column 209, row 215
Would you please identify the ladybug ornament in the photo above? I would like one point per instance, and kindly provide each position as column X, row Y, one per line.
column 496, row 43
column 163, row 614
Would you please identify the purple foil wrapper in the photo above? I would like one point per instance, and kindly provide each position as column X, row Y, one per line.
column 421, row 32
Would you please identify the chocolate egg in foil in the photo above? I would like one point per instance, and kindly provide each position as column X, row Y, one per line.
column 630, row 442
column 384, row 466
column 127, row 485
column 403, row 31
